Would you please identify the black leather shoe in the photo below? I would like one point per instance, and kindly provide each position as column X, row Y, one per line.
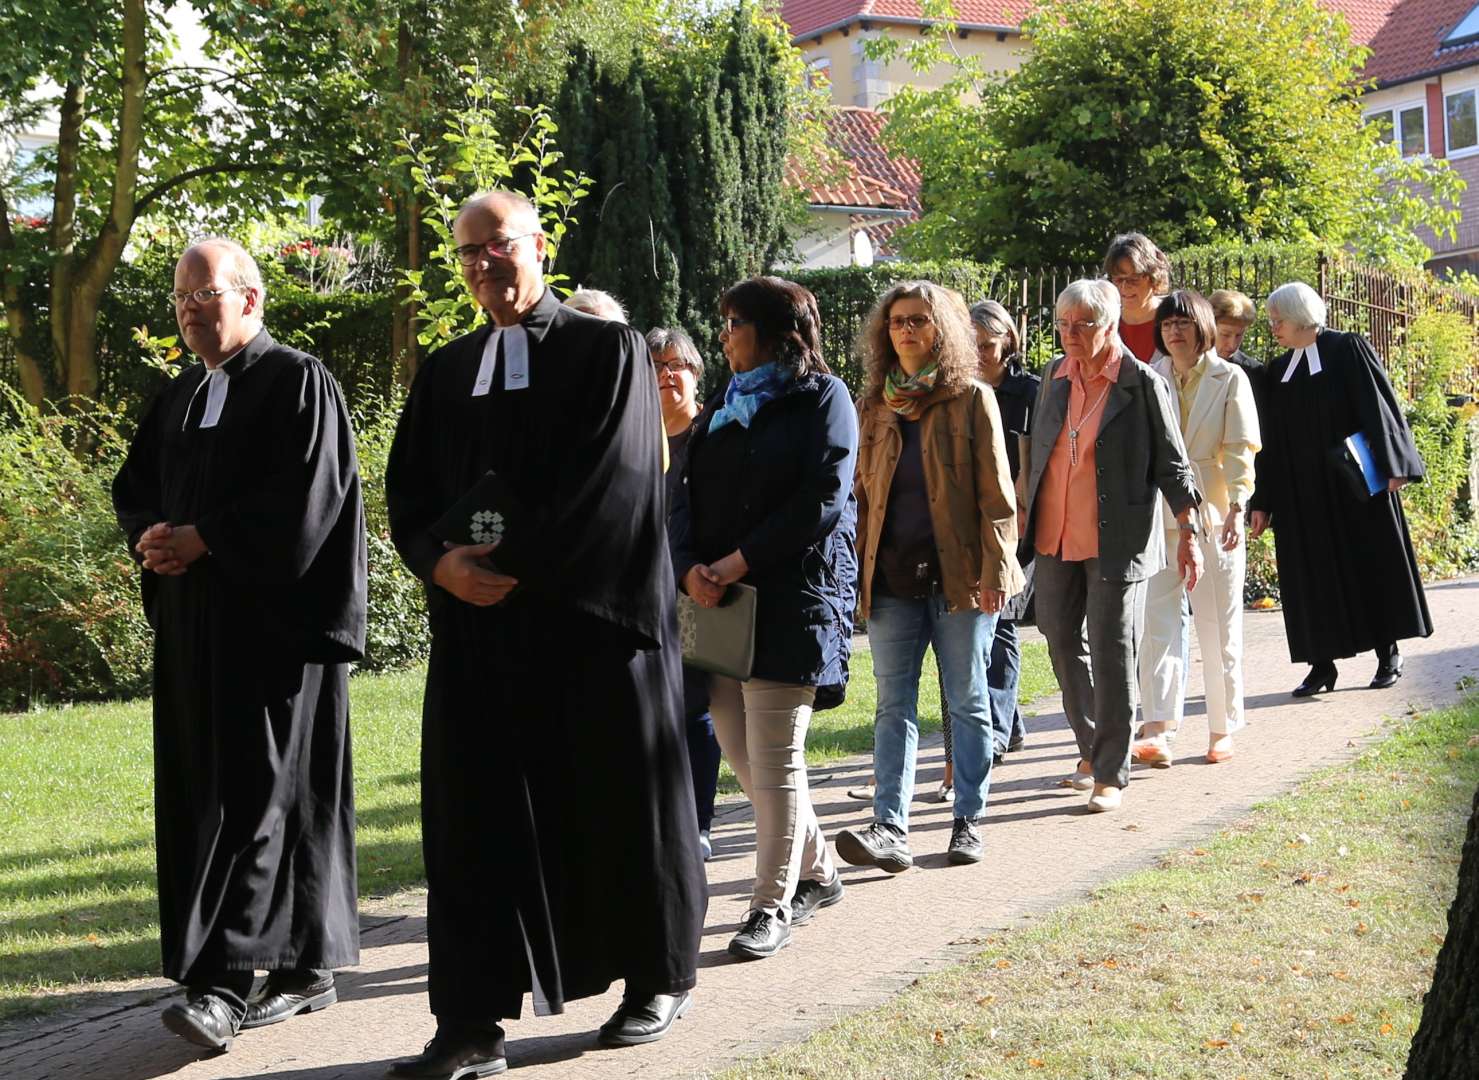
column 965, row 842
column 455, row 1053
column 205, row 1020
column 880, row 845
column 280, row 1000
column 762, row 935
column 643, row 1018
column 811, row 895
column 1388, row 668
column 1321, row 675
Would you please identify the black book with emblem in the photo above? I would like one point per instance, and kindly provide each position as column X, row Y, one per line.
column 489, row 513
column 720, row 639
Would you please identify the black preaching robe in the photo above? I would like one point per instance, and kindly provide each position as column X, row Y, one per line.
column 1348, row 576
column 254, row 800
column 557, row 807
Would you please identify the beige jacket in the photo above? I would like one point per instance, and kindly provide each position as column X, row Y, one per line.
column 1221, row 438
column 973, row 507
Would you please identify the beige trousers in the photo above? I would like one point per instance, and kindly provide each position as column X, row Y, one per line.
column 761, row 727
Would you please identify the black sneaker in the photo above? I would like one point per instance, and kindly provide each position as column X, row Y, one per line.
column 762, row 935
column 880, row 845
column 965, row 842
column 811, row 895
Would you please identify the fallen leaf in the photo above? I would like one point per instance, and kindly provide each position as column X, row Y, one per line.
column 1036, row 1063
column 93, row 939
column 987, row 1000
column 1345, row 1018
column 1341, row 975
column 1238, row 1028
column 1362, row 929
column 1406, row 805
column 1003, row 964
column 1251, row 897
column 1215, row 1044
column 1343, row 888
column 1385, row 1029
column 939, row 1037
column 1198, row 851
column 1111, row 963
column 1194, row 914
column 1131, row 828
column 1353, row 903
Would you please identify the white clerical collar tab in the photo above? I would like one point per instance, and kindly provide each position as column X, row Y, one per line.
column 516, row 359
column 1311, row 354
column 484, row 381
column 215, row 384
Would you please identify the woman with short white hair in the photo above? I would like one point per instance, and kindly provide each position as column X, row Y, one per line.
column 1337, row 450
column 1105, row 445
column 595, row 302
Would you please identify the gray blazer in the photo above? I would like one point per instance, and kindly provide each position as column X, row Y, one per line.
column 1138, row 452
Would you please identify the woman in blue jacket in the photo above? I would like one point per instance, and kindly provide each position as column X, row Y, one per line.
column 767, row 501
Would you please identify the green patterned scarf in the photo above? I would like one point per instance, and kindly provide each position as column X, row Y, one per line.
column 905, row 394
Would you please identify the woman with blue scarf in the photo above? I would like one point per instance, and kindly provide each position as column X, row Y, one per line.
column 766, row 500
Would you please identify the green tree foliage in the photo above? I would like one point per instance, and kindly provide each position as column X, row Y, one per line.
column 1194, row 124
column 686, row 142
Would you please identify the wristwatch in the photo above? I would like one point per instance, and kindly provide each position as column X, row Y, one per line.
column 1190, row 525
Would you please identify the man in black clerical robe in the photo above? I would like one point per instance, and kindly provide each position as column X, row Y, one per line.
column 240, row 497
column 557, row 810
column 1348, row 575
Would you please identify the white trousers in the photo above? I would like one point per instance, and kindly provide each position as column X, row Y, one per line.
column 761, row 726
column 1217, row 612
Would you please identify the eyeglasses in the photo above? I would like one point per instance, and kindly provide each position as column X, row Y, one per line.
column 913, row 322
column 674, row 367
column 200, row 296
column 1178, row 324
column 500, row 246
column 1121, row 280
column 1065, row 328
column 731, row 324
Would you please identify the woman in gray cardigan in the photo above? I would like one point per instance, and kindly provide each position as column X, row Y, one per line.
column 1105, row 444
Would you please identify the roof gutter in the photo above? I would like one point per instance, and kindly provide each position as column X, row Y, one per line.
column 1431, row 73
column 861, row 211
column 898, row 20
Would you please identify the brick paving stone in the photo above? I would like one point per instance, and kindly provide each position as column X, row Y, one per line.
column 1042, row 851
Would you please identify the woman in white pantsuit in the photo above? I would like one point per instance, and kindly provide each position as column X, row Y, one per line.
column 1220, row 427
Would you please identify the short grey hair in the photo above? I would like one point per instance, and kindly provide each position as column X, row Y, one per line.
column 244, row 272
column 1095, row 295
column 661, row 339
column 595, row 302
column 510, row 204
column 1297, row 303
column 991, row 317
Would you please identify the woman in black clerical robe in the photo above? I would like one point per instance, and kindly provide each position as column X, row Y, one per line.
column 1348, row 576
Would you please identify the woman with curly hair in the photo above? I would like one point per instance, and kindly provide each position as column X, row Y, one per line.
column 937, row 538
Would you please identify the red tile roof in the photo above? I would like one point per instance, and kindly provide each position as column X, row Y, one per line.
column 1403, row 35
column 808, row 16
column 1406, row 44
column 867, row 175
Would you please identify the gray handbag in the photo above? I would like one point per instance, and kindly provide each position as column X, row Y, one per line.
column 720, row 640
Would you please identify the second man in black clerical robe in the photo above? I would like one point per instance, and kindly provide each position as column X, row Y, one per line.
column 1348, row 575
column 240, row 496
column 557, row 812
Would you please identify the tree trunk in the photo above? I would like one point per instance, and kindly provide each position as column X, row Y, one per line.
column 1447, row 1041
column 17, row 318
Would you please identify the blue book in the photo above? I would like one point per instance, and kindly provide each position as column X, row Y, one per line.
column 1361, row 450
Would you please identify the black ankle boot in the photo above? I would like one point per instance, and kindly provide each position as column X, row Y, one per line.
column 1322, row 675
column 1388, row 667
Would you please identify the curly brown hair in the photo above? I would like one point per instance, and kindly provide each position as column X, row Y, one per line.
column 955, row 340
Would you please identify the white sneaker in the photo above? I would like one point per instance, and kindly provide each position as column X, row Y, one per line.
column 945, row 793
column 1106, row 797
column 1079, row 781
column 705, row 845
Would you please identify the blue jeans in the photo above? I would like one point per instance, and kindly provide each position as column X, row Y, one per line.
column 703, row 762
column 900, row 631
column 1002, row 677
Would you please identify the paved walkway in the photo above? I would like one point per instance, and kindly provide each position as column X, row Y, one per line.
column 1042, row 851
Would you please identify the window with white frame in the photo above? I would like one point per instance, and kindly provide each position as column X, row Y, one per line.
column 819, row 71
column 1405, row 125
column 1461, row 121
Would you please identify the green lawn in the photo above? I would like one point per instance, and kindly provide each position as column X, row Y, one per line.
column 77, row 901
column 1297, row 943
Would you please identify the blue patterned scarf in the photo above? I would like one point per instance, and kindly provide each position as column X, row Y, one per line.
column 747, row 391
